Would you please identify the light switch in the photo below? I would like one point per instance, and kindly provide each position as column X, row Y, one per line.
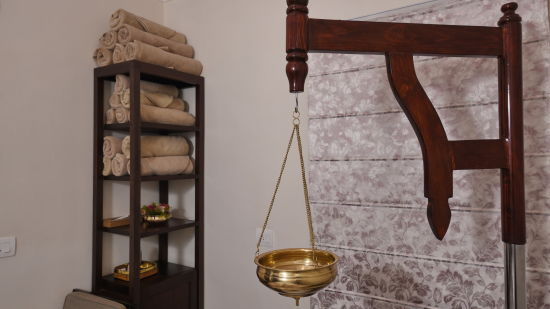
column 7, row 246
column 269, row 239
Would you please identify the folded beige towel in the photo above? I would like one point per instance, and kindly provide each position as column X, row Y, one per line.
column 121, row 17
column 114, row 100
column 154, row 98
column 122, row 115
column 108, row 39
column 166, row 115
column 147, row 53
column 123, row 82
column 119, row 165
column 157, row 115
column 119, row 53
column 158, row 146
column 125, row 99
column 106, row 166
column 103, row 56
column 127, row 34
column 110, row 116
column 111, row 146
column 163, row 166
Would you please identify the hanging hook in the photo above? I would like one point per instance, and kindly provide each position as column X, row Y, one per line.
column 296, row 115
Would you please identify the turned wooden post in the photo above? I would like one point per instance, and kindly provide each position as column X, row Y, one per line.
column 296, row 44
column 511, row 127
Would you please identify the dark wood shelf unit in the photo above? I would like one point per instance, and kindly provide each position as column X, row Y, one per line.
column 175, row 286
column 152, row 178
column 151, row 128
column 147, row 230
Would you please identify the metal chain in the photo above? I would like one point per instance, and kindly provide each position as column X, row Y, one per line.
column 295, row 130
column 306, row 194
column 275, row 191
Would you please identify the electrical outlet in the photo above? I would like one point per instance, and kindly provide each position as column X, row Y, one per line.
column 268, row 242
column 7, row 246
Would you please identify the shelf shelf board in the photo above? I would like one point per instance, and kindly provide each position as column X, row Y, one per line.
column 151, row 127
column 150, row 72
column 152, row 178
column 169, row 275
column 173, row 224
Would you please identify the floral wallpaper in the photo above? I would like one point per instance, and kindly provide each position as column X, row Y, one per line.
column 366, row 173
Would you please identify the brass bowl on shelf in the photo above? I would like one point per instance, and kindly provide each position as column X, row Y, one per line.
column 146, row 269
column 295, row 272
column 157, row 218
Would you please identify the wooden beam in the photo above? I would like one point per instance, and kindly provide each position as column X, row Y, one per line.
column 419, row 39
column 478, row 154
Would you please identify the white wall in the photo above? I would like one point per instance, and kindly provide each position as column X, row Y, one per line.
column 248, row 108
column 46, row 143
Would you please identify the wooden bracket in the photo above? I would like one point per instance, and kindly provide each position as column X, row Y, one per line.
column 399, row 42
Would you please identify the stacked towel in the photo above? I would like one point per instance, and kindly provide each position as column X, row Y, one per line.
column 162, row 166
column 118, row 53
column 111, row 147
column 108, row 39
column 136, row 38
column 103, row 57
column 121, row 17
column 159, row 104
column 147, row 53
column 160, row 155
column 119, row 165
column 152, row 98
column 123, row 82
column 127, row 34
column 158, row 146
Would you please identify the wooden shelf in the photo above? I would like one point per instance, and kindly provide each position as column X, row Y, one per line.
column 150, row 72
column 173, row 224
column 176, row 286
column 168, row 275
column 149, row 127
column 152, row 178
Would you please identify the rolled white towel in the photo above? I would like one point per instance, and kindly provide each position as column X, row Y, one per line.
column 154, row 98
column 119, row 165
column 107, row 166
column 114, row 100
column 119, row 54
column 103, row 56
column 111, row 146
column 109, row 39
column 123, row 82
column 110, row 116
column 122, row 115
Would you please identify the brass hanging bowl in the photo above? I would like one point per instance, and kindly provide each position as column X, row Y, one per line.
column 296, row 273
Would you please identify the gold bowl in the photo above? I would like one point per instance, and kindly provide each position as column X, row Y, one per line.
column 157, row 218
column 295, row 273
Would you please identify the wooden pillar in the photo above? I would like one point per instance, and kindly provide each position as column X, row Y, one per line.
column 511, row 127
column 296, row 44
column 135, row 187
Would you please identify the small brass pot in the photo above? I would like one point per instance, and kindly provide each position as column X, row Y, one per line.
column 294, row 272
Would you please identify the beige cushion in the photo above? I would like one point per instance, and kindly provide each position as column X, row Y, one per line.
column 81, row 300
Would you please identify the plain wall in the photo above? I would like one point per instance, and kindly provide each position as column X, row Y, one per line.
column 248, row 121
column 46, row 126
